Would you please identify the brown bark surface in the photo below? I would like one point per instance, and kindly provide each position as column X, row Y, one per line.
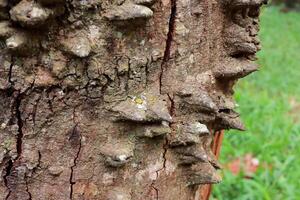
column 118, row 99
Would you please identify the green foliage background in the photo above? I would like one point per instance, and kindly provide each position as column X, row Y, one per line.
column 270, row 108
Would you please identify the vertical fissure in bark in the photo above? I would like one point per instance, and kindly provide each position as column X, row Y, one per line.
column 50, row 104
column 165, row 150
column 17, row 114
column 165, row 60
column 20, row 125
column 38, row 164
column 172, row 107
column 12, row 62
column 169, row 40
column 72, row 183
column 5, row 177
column 27, row 188
column 147, row 70
column 156, row 191
column 165, row 153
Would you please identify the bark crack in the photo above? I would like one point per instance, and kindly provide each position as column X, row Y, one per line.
column 10, row 70
column 38, row 164
column 172, row 108
column 16, row 114
column 72, row 183
column 20, row 125
column 27, row 188
column 169, row 41
column 165, row 150
column 156, row 191
column 5, row 177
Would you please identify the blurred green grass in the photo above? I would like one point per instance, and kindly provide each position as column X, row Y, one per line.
column 273, row 130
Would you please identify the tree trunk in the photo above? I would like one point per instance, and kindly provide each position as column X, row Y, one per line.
column 118, row 99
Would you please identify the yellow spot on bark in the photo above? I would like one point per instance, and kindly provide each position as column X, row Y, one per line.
column 139, row 101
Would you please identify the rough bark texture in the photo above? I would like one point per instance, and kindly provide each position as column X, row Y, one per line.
column 118, row 99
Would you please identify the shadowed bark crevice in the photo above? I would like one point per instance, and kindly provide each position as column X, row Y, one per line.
column 164, row 154
column 38, row 166
column 72, row 182
column 10, row 70
column 17, row 116
column 8, row 169
column 156, row 191
column 172, row 106
column 20, row 124
column 166, row 57
column 27, row 188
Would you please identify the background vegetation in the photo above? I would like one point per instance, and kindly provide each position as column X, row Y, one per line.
column 270, row 108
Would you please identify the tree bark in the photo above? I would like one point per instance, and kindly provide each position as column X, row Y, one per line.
column 118, row 100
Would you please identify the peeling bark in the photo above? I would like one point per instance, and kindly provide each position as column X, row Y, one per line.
column 118, row 99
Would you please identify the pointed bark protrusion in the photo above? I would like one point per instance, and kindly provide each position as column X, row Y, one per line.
column 118, row 160
column 17, row 41
column 144, row 2
column 230, row 120
column 226, row 103
column 183, row 139
column 191, row 155
column 143, row 108
column 128, row 11
column 30, row 13
column 117, row 153
column 235, row 70
column 55, row 170
column 195, row 128
column 153, row 131
column 76, row 44
column 203, row 173
column 6, row 29
column 213, row 160
column 198, row 99
column 188, row 134
column 238, row 41
column 246, row 3
column 194, row 96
